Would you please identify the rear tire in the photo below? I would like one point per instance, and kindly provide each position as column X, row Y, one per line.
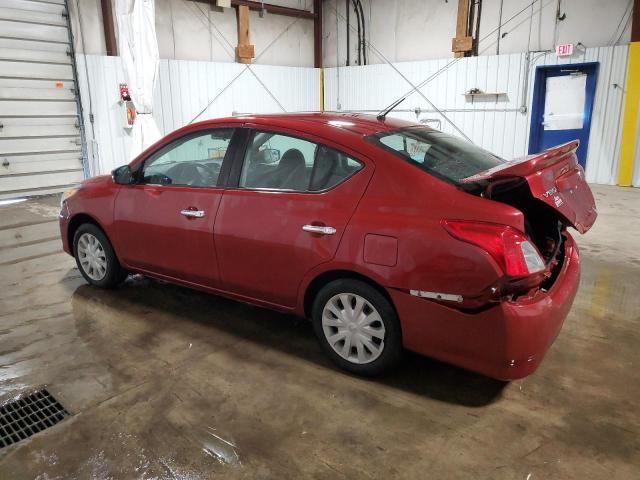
column 96, row 258
column 357, row 327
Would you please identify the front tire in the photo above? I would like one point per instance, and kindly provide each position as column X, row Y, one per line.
column 96, row 258
column 357, row 327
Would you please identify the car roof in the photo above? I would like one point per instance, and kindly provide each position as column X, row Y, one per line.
column 356, row 123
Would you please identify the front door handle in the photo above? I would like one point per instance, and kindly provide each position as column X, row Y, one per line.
column 192, row 213
column 319, row 229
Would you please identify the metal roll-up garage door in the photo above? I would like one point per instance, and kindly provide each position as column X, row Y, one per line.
column 40, row 141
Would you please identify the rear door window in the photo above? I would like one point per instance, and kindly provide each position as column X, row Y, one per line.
column 331, row 168
column 277, row 162
column 281, row 162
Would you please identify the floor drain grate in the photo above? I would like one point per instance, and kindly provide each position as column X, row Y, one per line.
column 29, row 415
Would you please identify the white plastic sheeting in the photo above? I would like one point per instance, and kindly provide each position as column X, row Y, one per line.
column 183, row 89
column 493, row 122
column 138, row 48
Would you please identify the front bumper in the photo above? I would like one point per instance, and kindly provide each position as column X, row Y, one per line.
column 63, row 218
column 507, row 341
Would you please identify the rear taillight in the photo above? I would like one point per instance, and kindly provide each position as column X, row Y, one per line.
column 516, row 256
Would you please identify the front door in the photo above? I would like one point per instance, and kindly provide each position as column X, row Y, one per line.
column 562, row 106
column 164, row 222
column 291, row 202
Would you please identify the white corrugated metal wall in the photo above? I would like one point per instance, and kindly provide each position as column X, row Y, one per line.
column 495, row 124
column 40, row 148
column 183, row 89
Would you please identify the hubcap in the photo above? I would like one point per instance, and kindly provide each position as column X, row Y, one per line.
column 92, row 258
column 353, row 328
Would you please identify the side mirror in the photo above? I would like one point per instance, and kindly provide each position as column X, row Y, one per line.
column 123, row 175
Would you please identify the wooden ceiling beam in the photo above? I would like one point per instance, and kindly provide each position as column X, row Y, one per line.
column 245, row 51
column 462, row 44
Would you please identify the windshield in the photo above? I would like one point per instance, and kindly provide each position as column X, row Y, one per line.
column 440, row 154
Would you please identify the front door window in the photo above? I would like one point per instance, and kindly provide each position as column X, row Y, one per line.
column 194, row 160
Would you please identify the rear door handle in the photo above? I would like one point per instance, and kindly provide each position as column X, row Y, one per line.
column 322, row 230
column 192, row 213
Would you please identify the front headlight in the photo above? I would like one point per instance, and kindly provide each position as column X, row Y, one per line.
column 68, row 194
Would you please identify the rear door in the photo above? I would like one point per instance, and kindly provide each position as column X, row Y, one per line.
column 285, row 213
column 164, row 222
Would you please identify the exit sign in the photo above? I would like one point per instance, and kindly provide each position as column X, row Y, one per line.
column 564, row 49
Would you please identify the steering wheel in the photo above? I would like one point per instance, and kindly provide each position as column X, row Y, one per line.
column 189, row 174
column 201, row 173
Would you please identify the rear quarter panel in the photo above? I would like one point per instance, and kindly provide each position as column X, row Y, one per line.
column 406, row 203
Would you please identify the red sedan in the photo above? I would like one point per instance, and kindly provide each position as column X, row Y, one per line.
column 388, row 235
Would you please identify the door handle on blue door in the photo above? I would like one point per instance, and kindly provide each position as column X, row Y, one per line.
column 323, row 230
column 192, row 213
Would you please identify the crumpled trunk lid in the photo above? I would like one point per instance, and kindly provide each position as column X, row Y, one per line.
column 556, row 178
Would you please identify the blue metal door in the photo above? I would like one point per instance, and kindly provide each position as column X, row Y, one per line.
column 562, row 105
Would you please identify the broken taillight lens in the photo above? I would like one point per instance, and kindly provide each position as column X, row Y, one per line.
column 514, row 254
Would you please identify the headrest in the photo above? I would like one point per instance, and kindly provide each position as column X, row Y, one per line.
column 292, row 158
column 326, row 163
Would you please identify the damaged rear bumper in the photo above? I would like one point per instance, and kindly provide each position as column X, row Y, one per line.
column 507, row 341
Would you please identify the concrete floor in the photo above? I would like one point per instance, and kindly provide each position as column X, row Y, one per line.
column 163, row 382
